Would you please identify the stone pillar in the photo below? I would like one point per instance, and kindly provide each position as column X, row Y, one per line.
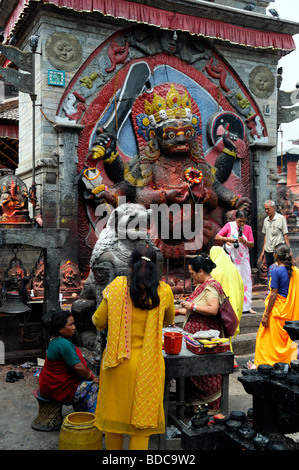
column 67, row 216
column 53, row 242
column 260, row 193
column 52, row 259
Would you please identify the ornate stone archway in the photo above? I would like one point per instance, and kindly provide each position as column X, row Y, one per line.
column 95, row 91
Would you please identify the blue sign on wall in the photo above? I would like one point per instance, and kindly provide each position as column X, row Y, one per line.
column 56, row 77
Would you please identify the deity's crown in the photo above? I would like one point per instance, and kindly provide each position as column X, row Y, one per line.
column 173, row 106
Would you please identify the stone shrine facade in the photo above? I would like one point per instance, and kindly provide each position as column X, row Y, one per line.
column 226, row 57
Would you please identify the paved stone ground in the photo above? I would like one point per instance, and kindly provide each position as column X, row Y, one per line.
column 18, row 408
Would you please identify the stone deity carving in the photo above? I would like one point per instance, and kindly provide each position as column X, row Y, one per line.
column 170, row 167
column 13, row 200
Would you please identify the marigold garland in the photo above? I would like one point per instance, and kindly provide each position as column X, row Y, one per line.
column 193, row 175
column 90, row 169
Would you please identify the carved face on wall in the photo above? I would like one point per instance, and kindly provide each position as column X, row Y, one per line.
column 175, row 137
column 64, row 51
column 261, row 82
column 168, row 43
column 170, row 120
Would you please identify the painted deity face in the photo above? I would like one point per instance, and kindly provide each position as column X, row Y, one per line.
column 176, row 137
column 168, row 43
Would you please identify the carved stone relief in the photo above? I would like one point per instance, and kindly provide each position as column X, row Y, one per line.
column 64, row 51
column 261, row 82
column 101, row 86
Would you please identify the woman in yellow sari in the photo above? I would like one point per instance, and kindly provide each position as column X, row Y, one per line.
column 135, row 309
column 231, row 281
column 273, row 343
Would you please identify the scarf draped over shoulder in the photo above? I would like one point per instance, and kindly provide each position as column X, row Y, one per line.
column 201, row 287
column 149, row 383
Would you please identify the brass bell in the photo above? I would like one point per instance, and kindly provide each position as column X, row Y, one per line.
column 13, row 304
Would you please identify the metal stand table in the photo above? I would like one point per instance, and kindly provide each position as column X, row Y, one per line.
column 188, row 364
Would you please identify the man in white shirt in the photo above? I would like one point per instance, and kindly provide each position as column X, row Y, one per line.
column 275, row 230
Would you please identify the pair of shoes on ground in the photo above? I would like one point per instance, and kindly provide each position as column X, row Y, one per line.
column 13, row 376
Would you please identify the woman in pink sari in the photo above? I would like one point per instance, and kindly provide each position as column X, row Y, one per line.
column 201, row 310
column 237, row 239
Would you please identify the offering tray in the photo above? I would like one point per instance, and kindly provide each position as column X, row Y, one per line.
column 200, row 349
column 206, row 346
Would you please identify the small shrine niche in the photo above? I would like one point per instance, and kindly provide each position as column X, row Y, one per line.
column 14, row 202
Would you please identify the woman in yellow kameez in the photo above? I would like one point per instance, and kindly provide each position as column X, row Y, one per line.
column 134, row 309
column 273, row 343
column 231, row 281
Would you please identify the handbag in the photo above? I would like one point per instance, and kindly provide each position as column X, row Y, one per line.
column 228, row 318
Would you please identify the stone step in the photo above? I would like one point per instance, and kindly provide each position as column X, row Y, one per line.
column 250, row 322
column 244, row 344
column 258, row 303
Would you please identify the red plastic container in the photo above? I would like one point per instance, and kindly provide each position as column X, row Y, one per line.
column 172, row 342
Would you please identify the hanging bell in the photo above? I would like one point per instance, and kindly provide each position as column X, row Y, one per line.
column 13, row 304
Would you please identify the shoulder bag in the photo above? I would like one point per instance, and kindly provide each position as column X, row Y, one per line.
column 228, row 318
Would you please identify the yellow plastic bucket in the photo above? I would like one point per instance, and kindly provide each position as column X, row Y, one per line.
column 78, row 432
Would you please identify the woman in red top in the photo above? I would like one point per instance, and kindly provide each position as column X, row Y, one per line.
column 65, row 376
